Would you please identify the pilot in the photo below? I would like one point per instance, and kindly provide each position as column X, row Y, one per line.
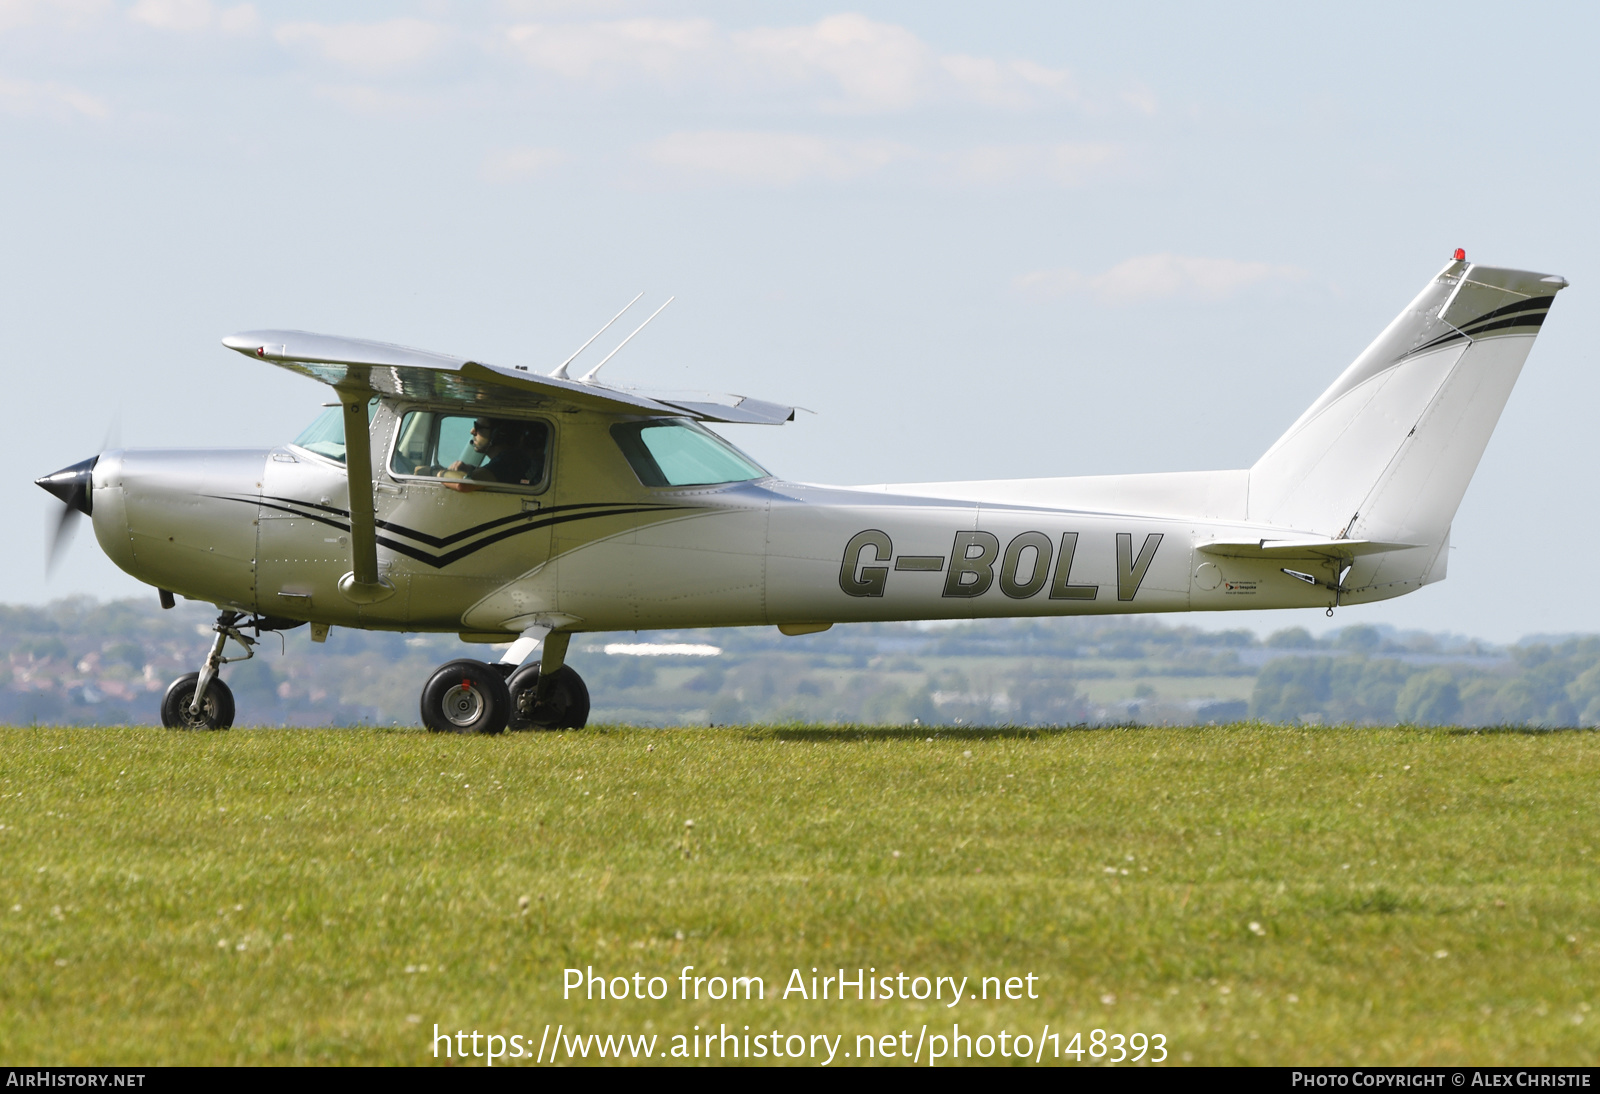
column 505, row 460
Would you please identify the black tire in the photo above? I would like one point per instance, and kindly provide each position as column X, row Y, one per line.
column 466, row 696
column 216, row 712
column 566, row 705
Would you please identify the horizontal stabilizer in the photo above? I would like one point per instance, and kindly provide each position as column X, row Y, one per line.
column 399, row 372
column 1284, row 549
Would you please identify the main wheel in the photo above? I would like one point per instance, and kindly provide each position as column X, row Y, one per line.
column 216, row 709
column 466, row 696
column 565, row 706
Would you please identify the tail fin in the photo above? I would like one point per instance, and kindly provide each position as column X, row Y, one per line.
column 1387, row 451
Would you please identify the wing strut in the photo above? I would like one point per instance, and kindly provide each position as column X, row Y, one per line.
column 362, row 584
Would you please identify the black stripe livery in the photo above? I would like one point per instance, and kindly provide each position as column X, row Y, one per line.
column 529, row 521
column 1524, row 313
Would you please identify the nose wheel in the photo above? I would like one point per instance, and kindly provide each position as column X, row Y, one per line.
column 178, row 709
column 466, row 696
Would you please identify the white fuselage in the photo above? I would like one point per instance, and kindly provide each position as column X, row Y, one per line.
column 267, row 532
column 1352, row 504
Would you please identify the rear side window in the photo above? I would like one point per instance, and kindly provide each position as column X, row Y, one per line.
column 677, row 452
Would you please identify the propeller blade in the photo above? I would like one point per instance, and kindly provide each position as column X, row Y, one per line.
column 61, row 537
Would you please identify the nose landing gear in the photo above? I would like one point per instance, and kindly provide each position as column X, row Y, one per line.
column 200, row 700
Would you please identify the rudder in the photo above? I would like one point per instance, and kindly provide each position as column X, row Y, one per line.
column 1386, row 452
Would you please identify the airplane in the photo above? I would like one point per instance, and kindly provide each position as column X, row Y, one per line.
column 444, row 494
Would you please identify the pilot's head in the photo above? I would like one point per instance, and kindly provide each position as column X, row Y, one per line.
column 487, row 433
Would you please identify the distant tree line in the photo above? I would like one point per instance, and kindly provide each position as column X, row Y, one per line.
column 82, row 661
column 1543, row 684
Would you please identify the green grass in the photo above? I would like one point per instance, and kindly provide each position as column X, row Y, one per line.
column 293, row 896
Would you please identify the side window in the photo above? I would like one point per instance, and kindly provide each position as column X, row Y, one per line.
column 483, row 451
column 677, row 452
column 413, row 445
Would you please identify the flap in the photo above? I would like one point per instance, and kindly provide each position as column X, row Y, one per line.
column 741, row 409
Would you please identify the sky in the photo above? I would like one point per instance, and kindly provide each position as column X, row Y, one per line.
column 977, row 241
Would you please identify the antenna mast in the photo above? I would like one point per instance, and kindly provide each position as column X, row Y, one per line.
column 560, row 371
column 587, row 376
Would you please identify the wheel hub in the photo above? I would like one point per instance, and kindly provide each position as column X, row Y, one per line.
column 207, row 715
column 463, row 704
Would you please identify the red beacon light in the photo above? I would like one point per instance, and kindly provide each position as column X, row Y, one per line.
column 1461, row 254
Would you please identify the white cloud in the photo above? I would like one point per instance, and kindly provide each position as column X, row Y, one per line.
column 611, row 52
column 1065, row 164
column 1158, row 277
column 780, row 159
column 544, row 9
column 853, row 63
column 71, row 14
column 26, row 99
column 874, row 65
column 1141, row 99
column 17, row 13
column 367, row 47
column 189, row 16
column 172, row 14
column 384, row 101
column 1009, row 83
column 774, row 159
column 520, row 164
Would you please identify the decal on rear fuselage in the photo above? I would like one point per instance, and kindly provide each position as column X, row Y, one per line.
column 1024, row 567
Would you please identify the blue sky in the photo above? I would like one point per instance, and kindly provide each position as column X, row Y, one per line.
column 979, row 241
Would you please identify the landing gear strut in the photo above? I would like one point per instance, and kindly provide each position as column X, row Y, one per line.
column 200, row 700
column 547, row 693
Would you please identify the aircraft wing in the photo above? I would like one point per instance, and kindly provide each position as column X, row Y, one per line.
column 384, row 369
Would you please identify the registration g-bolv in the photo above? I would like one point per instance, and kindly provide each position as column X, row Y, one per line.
column 438, row 493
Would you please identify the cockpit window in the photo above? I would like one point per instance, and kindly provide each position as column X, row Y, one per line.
column 486, row 451
column 677, row 452
column 325, row 436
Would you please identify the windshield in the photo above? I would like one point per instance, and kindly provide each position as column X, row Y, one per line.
column 325, row 436
column 677, row 452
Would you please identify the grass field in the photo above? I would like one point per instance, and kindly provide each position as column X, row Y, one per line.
column 1256, row 894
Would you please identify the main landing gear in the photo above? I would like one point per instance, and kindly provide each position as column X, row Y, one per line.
column 463, row 696
column 469, row 696
column 200, row 700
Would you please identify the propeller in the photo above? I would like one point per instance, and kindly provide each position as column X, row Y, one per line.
column 72, row 486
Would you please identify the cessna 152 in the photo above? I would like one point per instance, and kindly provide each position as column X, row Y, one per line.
column 444, row 494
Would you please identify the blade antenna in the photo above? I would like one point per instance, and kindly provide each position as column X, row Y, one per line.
column 560, row 372
column 587, row 376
